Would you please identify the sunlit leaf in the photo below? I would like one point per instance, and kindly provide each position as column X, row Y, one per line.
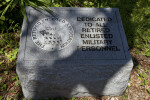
column 0, row 97
column 145, row 82
column 6, row 72
column 6, row 8
column 144, row 75
column 7, row 0
column 148, row 90
column 73, row 98
column 142, row 84
column 2, row 18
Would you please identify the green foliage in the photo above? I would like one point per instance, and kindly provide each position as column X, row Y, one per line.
column 8, row 50
column 142, row 84
column 73, row 98
column 11, row 8
column 148, row 90
column 2, row 18
column 1, row 62
column 13, row 78
column 16, row 96
column 139, row 78
column 140, row 19
column 17, row 82
column 8, row 98
column 3, row 87
column 6, row 72
column 142, row 76
column 22, row 3
column 146, row 71
column 12, row 54
column 139, row 66
column 138, row 69
column 124, row 97
column 145, row 82
column 8, row 41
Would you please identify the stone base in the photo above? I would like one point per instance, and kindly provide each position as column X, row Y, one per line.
column 73, row 81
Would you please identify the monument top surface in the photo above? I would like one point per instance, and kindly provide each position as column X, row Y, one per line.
column 74, row 34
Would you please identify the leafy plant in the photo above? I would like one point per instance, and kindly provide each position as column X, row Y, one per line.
column 12, row 54
column 138, row 69
column 139, row 78
column 1, row 62
column 6, row 72
column 8, row 98
column 13, row 78
column 144, row 75
column 0, row 97
column 139, row 66
column 148, row 90
column 73, row 98
column 146, row 71
column 123, row 97
column 17, row 82
column 13, row 91
column 0, row 78
column 145, row 82
column 142, row 84
column 140, row 18
column 3, row 87
column 22, row 3
column 16, row 96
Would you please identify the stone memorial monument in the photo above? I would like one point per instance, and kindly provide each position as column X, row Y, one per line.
column 73, row 52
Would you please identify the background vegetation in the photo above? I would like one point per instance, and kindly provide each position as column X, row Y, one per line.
column 135, row 15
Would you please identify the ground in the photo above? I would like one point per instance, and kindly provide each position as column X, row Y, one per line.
column 137, row 88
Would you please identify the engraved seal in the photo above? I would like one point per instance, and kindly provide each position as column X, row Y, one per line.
column 52, row 34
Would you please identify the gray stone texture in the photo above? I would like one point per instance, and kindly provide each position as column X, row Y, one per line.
column 71, row 72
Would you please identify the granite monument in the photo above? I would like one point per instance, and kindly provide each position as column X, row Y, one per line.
column 73, row 52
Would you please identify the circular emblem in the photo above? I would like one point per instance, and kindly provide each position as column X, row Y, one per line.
column 52, row 34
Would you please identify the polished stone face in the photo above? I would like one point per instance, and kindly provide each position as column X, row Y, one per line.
column 73, row 52
column 97, row 34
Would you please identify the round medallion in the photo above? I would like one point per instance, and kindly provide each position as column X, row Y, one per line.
column 52, row 34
